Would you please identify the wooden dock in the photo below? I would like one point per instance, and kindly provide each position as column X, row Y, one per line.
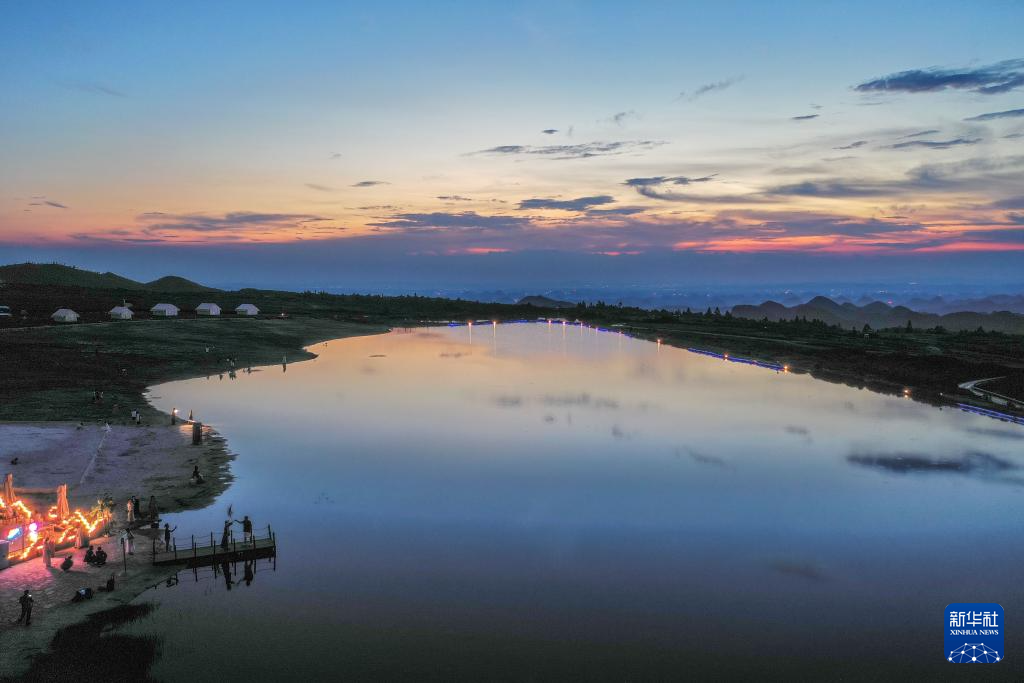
column 209, row 551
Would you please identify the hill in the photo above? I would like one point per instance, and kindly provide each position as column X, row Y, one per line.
column 544, row 302
column 173, row 283
column 66, row 276
column 879, row 315
column 69, row 276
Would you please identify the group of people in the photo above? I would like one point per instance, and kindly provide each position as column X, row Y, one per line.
column 134, row 509
column 96, row 557
column 225, row 539
column 49, row 548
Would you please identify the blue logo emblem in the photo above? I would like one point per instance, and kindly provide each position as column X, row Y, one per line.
column 974, row 633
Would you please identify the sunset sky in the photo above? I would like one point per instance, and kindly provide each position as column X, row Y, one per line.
column 479, row 137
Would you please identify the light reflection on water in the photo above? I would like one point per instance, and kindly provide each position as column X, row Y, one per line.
column 558, row 501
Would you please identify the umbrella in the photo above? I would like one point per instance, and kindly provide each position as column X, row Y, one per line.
column 63, row 510
column 8, row 491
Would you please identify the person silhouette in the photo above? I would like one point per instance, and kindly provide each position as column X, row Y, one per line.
column 26, row 608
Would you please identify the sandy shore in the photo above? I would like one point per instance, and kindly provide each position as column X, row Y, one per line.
column 145, row 460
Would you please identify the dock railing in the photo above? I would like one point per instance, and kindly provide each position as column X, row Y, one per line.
column 201, row 549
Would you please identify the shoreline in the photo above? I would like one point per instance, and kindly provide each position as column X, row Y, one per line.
column 156, row 459
column 159, row 461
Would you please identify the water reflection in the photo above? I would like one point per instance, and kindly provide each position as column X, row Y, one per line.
column 577, row 502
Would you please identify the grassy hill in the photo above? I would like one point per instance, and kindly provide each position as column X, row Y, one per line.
column 68, row 276
column 173, row 283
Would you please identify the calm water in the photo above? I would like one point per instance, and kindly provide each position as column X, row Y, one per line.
column 548, row 502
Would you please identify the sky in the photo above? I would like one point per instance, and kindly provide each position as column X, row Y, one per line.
column 544, row 143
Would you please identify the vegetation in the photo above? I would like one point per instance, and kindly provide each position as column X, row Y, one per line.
column 51, row 371
column 56, row 274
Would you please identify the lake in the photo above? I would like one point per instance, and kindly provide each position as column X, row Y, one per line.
column 547, row 501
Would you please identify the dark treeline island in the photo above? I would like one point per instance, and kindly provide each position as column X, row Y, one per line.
column 48, row 368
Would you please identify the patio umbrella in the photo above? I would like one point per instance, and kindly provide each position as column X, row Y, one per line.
column 8, row 491
column 63, row 510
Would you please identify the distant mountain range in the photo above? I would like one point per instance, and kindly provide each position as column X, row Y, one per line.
column 985, row 304
column 880, row 315
column 544, row 302
column 68, row 276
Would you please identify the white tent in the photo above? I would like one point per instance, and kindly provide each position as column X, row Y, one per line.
column 247, row 309
column 207, row 309
column 164, row 311
column 64, row 315
column 120, row 313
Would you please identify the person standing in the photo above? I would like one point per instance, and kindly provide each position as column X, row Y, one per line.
column 26, row 608
column 130, row 506
column 127, row 542
column 167, row 535
column 153, row 512
column 47, row 552
column 246, row 528
column 224, row 539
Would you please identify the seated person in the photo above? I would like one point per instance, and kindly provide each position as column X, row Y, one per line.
column 101, row 557
column 109, row 586
column 66, row 564
column 90, row 556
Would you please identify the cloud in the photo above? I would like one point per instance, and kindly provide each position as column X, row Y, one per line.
column 662, row 180
column 652, row 187
column 549, row 131
column 805, row 117
column 826, row 188
column 370, row 183
column 1010, row 203
column 709, row 88
column 157, row 223
column 584, row 150
column 921, row 133
column 453, row 198
column 1008, row 114
column 56, row 205
column 617, row 211
column 621, row 117
column 319, row 188
column 578, row 204
column 94, row 88
column 465, row 220
column 336, row 155
column 986, row 80
column 853, row 145
column 935, row 144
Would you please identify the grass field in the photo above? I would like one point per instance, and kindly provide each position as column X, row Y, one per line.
column 52, row 372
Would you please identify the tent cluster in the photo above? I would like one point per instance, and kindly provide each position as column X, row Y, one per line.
column 124, row 312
